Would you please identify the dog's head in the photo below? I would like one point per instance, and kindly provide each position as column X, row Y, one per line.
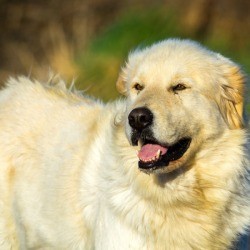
column 180, row 96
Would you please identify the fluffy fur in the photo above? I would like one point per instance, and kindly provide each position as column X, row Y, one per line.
column 69, row 176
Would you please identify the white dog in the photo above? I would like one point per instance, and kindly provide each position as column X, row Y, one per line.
column 167, row 168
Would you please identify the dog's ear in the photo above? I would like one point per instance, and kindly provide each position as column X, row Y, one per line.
column 232, row 94
column 121, row 83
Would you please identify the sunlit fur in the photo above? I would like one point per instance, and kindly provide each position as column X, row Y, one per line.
column 69, row 177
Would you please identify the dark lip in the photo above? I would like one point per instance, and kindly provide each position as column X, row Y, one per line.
column 145, row 136
column 175, row 152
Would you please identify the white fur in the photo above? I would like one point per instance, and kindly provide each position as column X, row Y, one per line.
column 69, row 178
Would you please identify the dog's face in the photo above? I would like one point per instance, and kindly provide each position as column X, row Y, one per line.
column 180, row 97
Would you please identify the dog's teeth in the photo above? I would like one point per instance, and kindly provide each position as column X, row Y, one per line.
column 158, row 154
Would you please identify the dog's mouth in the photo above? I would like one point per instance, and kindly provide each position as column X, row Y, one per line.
column 154, row 155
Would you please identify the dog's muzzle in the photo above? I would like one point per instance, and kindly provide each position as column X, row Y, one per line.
column 153, row 154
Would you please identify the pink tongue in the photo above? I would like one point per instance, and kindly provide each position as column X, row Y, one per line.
column 149, row 152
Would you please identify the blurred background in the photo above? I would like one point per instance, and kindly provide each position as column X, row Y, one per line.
column 88, row 40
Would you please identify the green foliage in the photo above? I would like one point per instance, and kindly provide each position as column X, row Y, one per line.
column 101, row 63
column 133, row 29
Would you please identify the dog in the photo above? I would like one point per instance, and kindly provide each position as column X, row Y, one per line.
column 166, row 167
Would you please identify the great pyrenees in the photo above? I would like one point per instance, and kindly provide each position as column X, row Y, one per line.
column 165, row 168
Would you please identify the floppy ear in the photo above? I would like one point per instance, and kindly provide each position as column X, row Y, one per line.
column 232, row 95
column 121, row 83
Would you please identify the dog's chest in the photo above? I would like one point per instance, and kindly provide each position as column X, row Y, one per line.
column 112, row 233
column 147, row 231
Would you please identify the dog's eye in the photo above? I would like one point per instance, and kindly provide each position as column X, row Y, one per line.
column 179, row 87
column 138, row 87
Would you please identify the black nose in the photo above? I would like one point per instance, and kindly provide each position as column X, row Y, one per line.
column 140, row 118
